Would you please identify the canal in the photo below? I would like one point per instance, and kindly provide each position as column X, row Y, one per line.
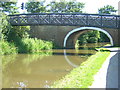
column 40, row 71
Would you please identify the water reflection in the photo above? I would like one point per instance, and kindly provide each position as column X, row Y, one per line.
column 25, row 70
column 38, row 71
column 77, row 57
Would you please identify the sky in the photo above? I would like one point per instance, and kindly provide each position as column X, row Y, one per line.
column 91, row 6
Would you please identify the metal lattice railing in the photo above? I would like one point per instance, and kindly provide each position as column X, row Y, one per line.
column 70, row 19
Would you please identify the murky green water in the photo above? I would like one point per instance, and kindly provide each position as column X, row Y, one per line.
column 38, row 71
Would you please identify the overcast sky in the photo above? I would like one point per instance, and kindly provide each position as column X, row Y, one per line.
column 91, row 6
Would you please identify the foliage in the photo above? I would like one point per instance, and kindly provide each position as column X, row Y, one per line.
column 7, row 48
column 18, row 32
column 32, row 45
column 108, row 9
column 9, row 7
column 65, row 6
column 54, row 6
column 83, row 76
column 26, row 45
column 11, row 33
column 103, row 37
column 36, row 7
column 89, row 37
column 19, row 36
column 0, row 25
column 5, row 26
column 77, row 45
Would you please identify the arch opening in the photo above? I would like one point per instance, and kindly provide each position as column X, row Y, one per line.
column 83, row 29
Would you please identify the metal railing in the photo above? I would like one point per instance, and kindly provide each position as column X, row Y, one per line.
column 66, row 19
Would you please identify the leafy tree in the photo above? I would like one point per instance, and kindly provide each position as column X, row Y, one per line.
column 35, row 7
column 11, row 33
column 54, row 6
column 89, row 37
column 93, row 36
column 18, row 32
column 9, row 7
column 65, row 6
column 103, row 38
column 108, row 9
column 5, row 27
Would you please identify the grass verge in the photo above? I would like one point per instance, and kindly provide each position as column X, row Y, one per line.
column 83, row 76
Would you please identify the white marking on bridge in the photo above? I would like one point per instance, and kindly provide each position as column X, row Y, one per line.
column 90, row 28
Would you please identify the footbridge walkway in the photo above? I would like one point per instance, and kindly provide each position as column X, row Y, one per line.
column 64, row 28
column 71, row 19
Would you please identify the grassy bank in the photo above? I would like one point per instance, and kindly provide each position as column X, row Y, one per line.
column 26, row 45
column 83, row 76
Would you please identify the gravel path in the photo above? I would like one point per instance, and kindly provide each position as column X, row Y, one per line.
column 107, row 77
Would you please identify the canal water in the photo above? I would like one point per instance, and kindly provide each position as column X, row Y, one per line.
column 40, row 71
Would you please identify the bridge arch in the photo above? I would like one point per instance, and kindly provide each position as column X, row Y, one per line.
column 83, row 29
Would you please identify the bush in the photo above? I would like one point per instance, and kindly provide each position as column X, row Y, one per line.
column 33, row 45
column 7, row 48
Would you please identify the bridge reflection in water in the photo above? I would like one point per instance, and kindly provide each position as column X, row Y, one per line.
column 34, row 70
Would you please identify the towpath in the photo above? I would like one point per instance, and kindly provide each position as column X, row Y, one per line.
column 107, row 77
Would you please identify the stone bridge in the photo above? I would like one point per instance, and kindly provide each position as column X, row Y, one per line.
column 64, row 28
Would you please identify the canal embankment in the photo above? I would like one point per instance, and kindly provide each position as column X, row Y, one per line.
column 83, row 76
column 107, row 77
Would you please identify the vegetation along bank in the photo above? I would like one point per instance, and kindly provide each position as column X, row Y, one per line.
column 15, row 39
column 83, row 76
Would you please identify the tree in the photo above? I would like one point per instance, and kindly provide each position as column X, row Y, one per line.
column 11, row 33
column 35, row 7
column 54, row 6
column 65, row 6
column 9, row 7
column 108, row 9
column 89, row 37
